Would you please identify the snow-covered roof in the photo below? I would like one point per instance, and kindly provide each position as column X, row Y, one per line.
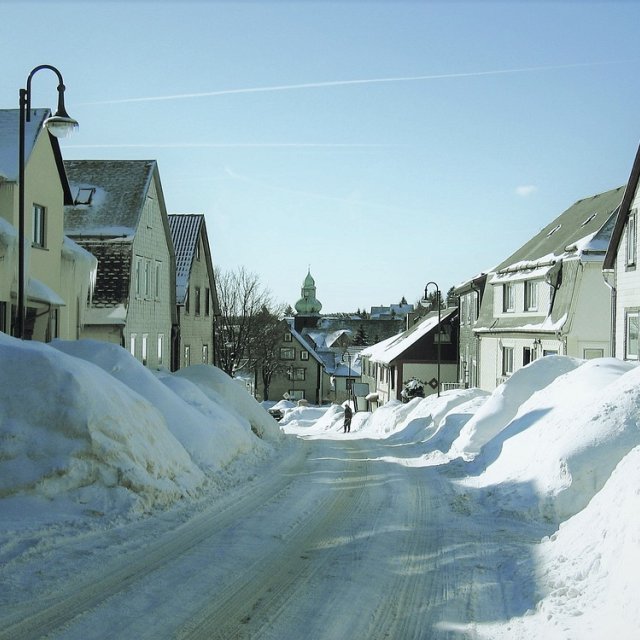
column 586, row 225
column 387, row 351
column 108, row 196
column 39, row 292
column 9, row 138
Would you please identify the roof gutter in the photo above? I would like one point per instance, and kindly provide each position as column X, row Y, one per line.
column 609, row 276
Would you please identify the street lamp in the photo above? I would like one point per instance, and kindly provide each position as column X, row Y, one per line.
column 58, row 125
column 348, row 386
column 426, row 290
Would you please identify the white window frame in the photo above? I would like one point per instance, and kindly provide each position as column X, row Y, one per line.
column 507, row 361
column 39, row 221
column 160, row 348
column 632, row 240
column 158, row 278
column 145, row 348
column 147, row 278
column 508, row 297
column 132, row 344
column 632, row 334
column 138, row 276
column 531, row 295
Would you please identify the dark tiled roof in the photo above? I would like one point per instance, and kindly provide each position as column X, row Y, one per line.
column 116, row 205
column 114, row 271
column 185, row 231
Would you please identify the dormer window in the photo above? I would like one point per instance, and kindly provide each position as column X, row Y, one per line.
column 531, row 295
column 84, row 195
column 508, row 298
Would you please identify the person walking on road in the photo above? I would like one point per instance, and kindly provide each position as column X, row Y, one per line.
column 348, row 414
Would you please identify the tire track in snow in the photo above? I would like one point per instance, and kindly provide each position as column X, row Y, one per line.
column 262, row 596
column 37, row 619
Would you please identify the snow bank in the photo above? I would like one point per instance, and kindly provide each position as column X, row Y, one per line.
column 505, row 401
column 588, row 570
column 76, row 435
column 86, row 429
column 565, row 441
column 220, row 387
column 212, row 434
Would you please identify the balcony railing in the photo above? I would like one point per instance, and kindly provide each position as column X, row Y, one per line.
column 448, row 386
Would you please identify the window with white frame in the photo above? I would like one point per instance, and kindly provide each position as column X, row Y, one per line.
column 287, row 353
column 508, row 297
column 287, row 337
column 507, row 361
column 158, row 276
column 160, row 348
column 187, row 355
column 304, row 355
column 147, row 278
column 531, row 295
column 138, row 276
column 205, row 354
column 632, row 322
column 39, row 217
column 145, row 341
column 632, row 241
column 298, row 373
column 132, row 344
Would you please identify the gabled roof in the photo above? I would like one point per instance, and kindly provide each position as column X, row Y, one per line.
column 387, row 351
column 570, row 232
column 185, row 233
column 9, row 143
column 627, row 199
column 117, row 190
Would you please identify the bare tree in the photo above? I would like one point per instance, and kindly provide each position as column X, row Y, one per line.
column 244, row 306
column 271, row 329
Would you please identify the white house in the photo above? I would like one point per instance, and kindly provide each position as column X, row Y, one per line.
column 620, row 270
column 549, row 296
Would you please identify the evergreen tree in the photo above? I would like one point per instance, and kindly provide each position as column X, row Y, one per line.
column 361, row 339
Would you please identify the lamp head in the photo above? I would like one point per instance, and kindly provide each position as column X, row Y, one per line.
column 60, row 125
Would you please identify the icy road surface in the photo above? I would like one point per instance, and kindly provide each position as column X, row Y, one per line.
column 338, row 539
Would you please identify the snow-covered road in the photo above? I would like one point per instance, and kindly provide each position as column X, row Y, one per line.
column 336, row 539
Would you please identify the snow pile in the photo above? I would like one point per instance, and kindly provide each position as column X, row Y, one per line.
column 76, row 433
column 505, row 401
column 558, row 443
column 588, row 569
column 94, row 431
column 565, row 441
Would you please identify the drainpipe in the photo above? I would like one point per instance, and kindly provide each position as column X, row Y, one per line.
column 609, row 276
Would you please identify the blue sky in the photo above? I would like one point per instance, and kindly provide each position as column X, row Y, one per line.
column 382, row 144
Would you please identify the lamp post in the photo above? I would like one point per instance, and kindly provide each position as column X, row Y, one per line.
column 426, row 292
column 348, row 387
column 58, row 125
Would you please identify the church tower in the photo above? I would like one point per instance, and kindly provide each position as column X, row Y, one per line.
column 308, row 307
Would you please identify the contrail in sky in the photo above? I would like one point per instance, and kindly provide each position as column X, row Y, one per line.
column 344, row 83
column 235, row 145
